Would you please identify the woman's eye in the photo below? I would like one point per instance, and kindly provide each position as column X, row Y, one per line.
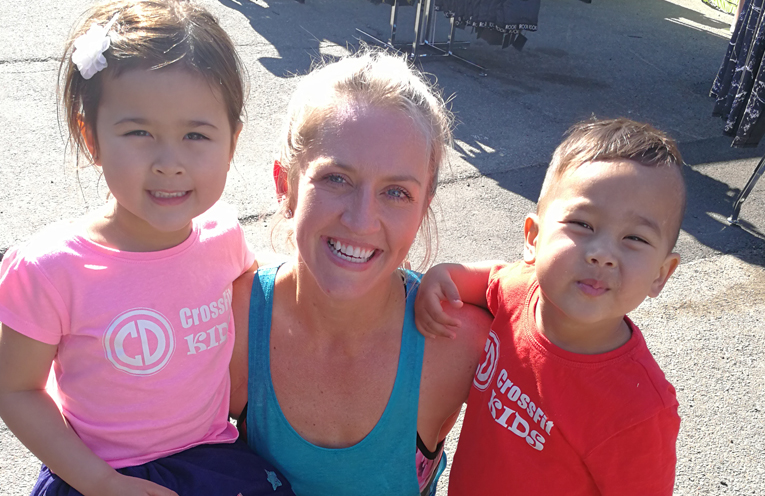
column 335, row 179
column 196, row 136
column 398, row 194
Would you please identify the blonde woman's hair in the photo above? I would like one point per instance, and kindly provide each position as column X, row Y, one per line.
column 376, row 79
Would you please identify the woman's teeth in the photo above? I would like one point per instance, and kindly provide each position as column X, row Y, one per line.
column 350, row 253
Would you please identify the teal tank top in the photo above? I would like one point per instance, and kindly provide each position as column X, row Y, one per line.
column 383, row 463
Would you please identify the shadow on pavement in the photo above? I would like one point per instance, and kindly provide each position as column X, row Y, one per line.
column 653, row 61
column 264, row 17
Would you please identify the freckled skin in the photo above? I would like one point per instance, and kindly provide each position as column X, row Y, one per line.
column 366, row 186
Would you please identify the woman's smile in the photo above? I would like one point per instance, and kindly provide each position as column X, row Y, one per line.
column 361, row 197
column 350, row 253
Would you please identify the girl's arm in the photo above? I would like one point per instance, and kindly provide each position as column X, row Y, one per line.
column 453, row 283
column 239, row 365
column 32, row 415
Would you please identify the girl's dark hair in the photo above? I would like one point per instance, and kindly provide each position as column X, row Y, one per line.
column 150, row 35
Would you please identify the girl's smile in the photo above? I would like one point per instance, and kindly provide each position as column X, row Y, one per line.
column 164, row 142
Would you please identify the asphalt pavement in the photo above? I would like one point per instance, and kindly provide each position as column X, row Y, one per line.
column 652, row 60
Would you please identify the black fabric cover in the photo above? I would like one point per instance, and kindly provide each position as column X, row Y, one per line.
column 505, row 16
column 739, row 88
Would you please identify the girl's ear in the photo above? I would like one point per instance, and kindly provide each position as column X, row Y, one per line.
column 89, row 139
column 235, row 140
column 280, row 181
column 530, row 233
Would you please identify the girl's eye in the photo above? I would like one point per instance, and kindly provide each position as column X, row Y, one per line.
column 398, row 194
column 138, row 132
column 196, row 136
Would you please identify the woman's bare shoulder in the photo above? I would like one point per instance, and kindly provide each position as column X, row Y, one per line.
column 466, row 348
column 449, row 366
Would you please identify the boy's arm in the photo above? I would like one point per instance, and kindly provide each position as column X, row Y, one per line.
column 453, row 283
column 640, row 460
column 33, row 417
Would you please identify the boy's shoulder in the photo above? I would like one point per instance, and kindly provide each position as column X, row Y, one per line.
column 645, row 365
column 509, row 286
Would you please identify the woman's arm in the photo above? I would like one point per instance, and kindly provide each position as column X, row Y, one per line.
column 447, row 373
column 239, row 366
column 33, row 417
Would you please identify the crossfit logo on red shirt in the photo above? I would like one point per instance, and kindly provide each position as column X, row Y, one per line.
column 139, row 341
column 509, row 405
column 485, row 373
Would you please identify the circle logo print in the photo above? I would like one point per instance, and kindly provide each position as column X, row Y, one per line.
column 139, row 341
column 485, row 373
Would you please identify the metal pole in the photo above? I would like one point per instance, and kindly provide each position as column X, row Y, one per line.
column 758, row 171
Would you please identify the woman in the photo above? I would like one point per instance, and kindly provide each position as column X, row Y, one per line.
column 345, row 396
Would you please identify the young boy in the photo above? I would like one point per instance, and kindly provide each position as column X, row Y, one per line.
column 568, row 400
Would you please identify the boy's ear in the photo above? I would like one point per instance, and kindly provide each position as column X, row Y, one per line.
column 666, row 270
column 530, row 233
column 280, row 181
column 89, row 139
column 234, row 141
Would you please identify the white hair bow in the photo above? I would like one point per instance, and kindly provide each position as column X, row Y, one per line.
column 89, row 49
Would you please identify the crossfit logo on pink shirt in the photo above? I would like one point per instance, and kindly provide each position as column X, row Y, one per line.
column 139, row 341
column 485, row 372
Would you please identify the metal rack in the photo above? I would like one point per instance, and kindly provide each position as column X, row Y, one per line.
column 424, row 36
column 758, row 171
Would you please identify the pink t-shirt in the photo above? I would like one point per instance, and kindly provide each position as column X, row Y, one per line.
column 144, row 339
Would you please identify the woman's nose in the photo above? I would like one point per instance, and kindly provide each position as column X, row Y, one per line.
column 361, row 213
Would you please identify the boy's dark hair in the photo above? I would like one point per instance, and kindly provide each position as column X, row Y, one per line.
column 598, row 140
column 150, row 34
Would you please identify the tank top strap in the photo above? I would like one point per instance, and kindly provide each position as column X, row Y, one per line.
column 381, row 464
column 259, row 368
column 412, row 348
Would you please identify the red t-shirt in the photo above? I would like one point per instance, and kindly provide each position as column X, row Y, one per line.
column 545, row 421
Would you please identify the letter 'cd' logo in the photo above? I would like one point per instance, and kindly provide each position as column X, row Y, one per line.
column 485, row 373
column 139, row 341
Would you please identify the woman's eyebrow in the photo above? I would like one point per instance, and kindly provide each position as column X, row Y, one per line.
column 327, row 162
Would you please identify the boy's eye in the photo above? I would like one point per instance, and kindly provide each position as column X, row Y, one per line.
column 583, row 224
column 196, row 136
column 638, row 239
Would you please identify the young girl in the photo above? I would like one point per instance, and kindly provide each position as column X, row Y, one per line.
column 132, row 304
